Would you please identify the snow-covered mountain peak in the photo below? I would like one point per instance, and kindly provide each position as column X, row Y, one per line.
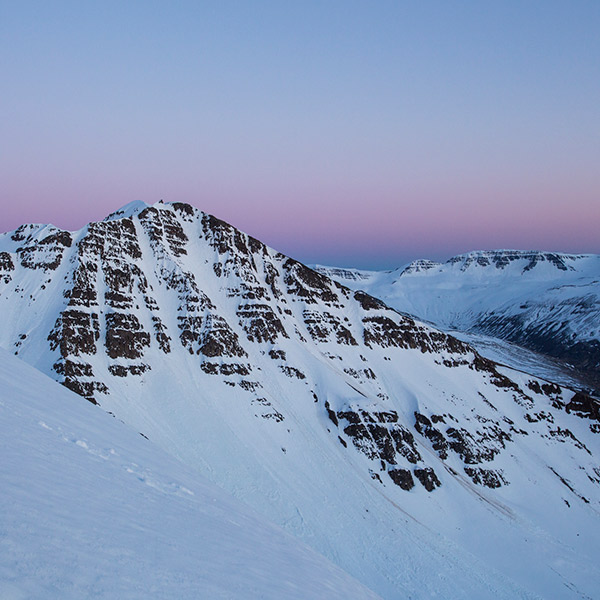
column 129, row 210
column 320, row 406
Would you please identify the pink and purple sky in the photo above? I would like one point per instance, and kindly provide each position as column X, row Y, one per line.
column 338, row 131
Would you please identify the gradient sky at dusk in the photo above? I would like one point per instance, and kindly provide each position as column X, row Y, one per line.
column 360, row 133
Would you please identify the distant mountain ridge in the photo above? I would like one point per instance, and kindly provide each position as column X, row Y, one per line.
column 548, row 302
column 382, row 442
column 503, row 258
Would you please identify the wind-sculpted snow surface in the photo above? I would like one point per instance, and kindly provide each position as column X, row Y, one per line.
column 395, row 450
column 544, row 301
column 90, row 509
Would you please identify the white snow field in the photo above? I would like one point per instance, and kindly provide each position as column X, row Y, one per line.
column 91, row 509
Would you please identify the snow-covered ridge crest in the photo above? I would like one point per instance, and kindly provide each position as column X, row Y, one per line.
column 341, row 273
column 419, row 266
column 320, row 406
column 523, row 262
column 503, row 258
column 129, row 210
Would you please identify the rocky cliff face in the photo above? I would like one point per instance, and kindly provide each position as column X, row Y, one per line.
column 132, row 296
column 214, row 345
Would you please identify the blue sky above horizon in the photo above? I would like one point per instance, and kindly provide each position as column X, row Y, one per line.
column 341, row 132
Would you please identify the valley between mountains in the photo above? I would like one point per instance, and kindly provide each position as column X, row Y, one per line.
column 393, row 449
column 540, row 310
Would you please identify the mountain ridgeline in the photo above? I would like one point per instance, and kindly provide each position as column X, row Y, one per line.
column 268, row 376
column 547, row 302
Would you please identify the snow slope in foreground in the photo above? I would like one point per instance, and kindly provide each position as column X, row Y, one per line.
column 92, row 509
